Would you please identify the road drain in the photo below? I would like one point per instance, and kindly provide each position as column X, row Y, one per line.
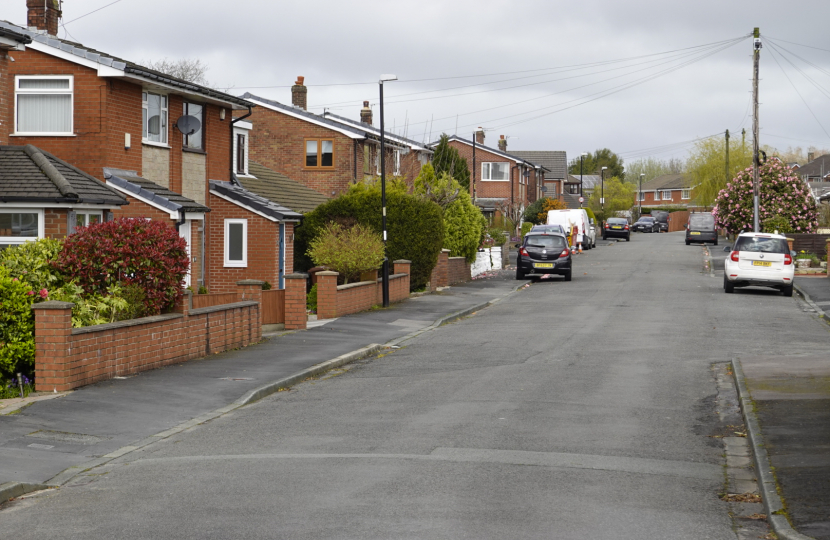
column 64, row 437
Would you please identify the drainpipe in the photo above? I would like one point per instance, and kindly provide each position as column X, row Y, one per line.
column 181, row 220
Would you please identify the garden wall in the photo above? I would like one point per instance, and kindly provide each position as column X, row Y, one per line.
column 66, row 357
column 459, row 270
column 336, row 301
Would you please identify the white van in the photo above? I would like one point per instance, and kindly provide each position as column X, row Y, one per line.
column 579, row 217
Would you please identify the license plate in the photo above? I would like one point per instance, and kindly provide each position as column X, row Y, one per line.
column 542, row 265
column 761, row 263
column 694, row 233
column 613, row 227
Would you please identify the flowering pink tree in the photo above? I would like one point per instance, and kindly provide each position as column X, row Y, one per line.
column 785, row 201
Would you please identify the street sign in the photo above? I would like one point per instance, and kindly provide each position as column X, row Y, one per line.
column 582, row 199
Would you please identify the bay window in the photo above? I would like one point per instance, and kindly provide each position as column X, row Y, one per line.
column 43, row 104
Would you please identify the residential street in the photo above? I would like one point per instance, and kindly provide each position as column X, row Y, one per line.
column 568, row 410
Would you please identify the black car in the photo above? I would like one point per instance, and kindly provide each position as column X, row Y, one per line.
column 646, row 224
column 543, row 253
column 701, row 228
column 616, row 227
column 662, row 219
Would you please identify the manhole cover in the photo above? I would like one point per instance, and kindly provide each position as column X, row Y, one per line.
column 64, row 437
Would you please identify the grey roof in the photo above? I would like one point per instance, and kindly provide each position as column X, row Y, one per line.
column 374, row 130
column 667, row 181
column 486, row 149
column 818, row 168
column 302, row 112
column 555, row 161
column 589, row 181
column 14, row 35
column 160, row 195
column 29, row 174
column 571, row 200
column 109, row 60
column 244, row 197
column 279, row 189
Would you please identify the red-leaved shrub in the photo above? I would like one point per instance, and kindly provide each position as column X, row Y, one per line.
column 149, row 254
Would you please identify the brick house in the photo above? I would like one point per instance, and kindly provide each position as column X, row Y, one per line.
column 555, row 163
column 42, row 196
column 326, row 152
column 498, row 178
column 667, row 190
column 119, row 122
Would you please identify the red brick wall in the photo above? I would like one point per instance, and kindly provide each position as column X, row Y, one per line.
column 337, row 301
column 289, row 248
column 6, row 100
column 440, row 274
column 67, row 358
column 55, row 222
column 263, row 247
column 490, row 189
column 122, row 113
column 217, row 145
column 459, row 270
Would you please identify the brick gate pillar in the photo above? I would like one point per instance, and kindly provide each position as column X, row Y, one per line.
column 295, row 301
column 327, row 294
column 53, row 352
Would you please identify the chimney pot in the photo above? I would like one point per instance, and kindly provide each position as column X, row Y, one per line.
column 43, row 15
column 366, row 114
column 502, row 143
column 299, row 94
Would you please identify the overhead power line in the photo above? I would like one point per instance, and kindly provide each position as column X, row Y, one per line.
column 90, row 13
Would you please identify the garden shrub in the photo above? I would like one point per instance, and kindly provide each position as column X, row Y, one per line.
column 464, row 226
column 526, row 226
column 415, row 227
column 311, row 299
column 778, row 223
column 347, row 250
column 32, row 263
column 17, row 326
column 782, row 194
column 92, row 309
column 127, row 251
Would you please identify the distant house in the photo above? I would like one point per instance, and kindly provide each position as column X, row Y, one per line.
column 327, row 153
column 667, row 190
column 817, row 170
column 555, row 163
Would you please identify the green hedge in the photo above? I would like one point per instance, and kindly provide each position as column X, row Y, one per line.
column 415, row 227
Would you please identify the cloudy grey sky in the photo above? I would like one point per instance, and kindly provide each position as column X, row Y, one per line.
column 545, row 73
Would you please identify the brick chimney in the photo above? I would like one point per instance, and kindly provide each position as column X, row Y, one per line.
column 502, row 143
column 299, row 93
column 811, row 156
column 44, row 15
column 366, row 114
column 480, row 136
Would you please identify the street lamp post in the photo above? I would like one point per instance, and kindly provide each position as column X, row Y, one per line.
column 581, row 161
column 640, row 195
column 602, row 193
column 385, row 280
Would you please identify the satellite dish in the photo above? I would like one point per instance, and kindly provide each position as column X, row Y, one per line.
column 188, row 124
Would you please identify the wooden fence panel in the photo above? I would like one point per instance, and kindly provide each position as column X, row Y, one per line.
column 678, row 220
column 210, row 300
column 812, row 243
column 273, row 306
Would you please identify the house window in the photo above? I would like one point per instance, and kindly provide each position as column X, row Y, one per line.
column 241, row 154
column 319, row 153
column 19, row 225
column 43, row 105
column 377, row 162
column 686, row 194
column 83, row 219
column 573, row 189
column 666, row 195
column 641, row 196
column 154, row 117
column 194, row 141
column 495, row 172
column 236, row 242
column 397, row 171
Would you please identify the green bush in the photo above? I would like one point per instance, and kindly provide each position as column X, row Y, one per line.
column 92, row 309
column 311, row 299
column 415, row 227
column 31, row 262
column 347, row 250
column 526, row 226
column 17, row 326
column 778, row 223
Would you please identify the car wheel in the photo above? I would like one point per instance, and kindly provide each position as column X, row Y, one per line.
column 728, row 287
column 519, row 272
column 567, row 275
column 716, row 242
column 604, row 237
column 628, row 238
column 787, row 291
column 688, row 243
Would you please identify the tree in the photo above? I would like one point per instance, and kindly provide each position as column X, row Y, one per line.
column 347, row 250
column 187, row 69
column 443, row 190
column 706, row 167
column 593, row 164
column 619, row 197
column 447, row 159
column 652, row 168
column 796, row 154
column 782, row 195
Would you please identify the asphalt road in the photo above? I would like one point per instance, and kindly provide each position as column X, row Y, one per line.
column 569, row 411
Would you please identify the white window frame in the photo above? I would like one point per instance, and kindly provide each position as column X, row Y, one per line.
column 71, row 91
column 185, row 111
column 244, row 262
column 663, row 193
column 377, row 161
column 86, row 217
column 397, row 171
column 145, row 117
column 487, row 166
column 642, row 196
column 236, row 168
column 17, row 240
column 686, row 194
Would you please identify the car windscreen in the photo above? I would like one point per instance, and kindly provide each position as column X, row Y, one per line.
column 762, row 244
column 617, row 221
column 547, row 242
column 702, row 222
column 662, row 217
column 540, row 228
column 646, row 219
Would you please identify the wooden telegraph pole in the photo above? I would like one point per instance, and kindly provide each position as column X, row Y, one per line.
column 756, row 53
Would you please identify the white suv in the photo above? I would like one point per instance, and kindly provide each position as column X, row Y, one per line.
column 759, row 259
